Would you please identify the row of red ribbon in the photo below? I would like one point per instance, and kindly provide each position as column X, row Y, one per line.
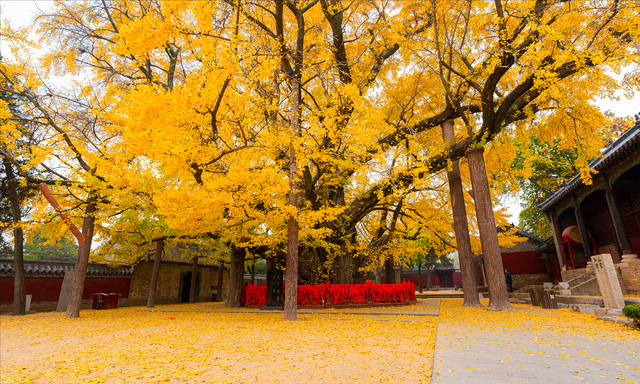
column 337, row 294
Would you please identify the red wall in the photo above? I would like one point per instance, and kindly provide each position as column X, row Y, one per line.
column 555, row 267
column 524, row 263
column 48, row 288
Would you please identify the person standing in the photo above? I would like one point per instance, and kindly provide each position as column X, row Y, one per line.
column 508, row 279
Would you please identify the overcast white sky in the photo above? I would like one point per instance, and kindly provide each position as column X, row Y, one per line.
column 20, row 12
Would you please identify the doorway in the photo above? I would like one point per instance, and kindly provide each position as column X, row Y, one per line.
column 186, row 287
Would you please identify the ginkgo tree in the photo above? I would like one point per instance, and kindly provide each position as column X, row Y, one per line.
column 291, row 122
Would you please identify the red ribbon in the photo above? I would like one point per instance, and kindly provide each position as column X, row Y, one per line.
column 337, row 294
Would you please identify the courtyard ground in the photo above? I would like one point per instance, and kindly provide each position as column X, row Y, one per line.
column 205, row 342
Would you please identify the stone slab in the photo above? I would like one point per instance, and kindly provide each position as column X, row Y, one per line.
column 583, row 308
column 607, row 276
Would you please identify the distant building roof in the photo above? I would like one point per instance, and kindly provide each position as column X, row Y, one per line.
column 547, row 245
column 628, row 142
column 36, row 268
column 521, row 233
column 183, row 255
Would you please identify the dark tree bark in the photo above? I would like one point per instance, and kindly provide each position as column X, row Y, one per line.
column 220, row 282
column 420, row 277
column 345, row 265
column 154, row 273
column 236, row 272
column 291, row 287
column 194, row 272
column 80, row 271
column 19, row 290
column 428, row 278
column 297, row 54
column 389, row 272
column 253, row 273
column 498, row 295
column 461, row 226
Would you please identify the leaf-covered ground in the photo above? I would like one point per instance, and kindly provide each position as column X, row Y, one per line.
column 198, row 343
column 190, row 345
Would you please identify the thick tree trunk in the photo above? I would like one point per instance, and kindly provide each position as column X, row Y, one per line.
column 236, row 271
column 80, row 271
column 345, row 265
column 194, row 272
column 291, row 287
column 389, row 271
column 154, row 274
column 19, row 290
column 461, row 226
column 220, row 282
column 420, row 277
column 498, row 295
column 429, row 279
column 253, row 273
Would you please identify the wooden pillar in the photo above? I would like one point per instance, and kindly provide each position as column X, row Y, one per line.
column 220, row 282
column 618, row 226
column 584, row 234
column 194, row 272
column 557, row 236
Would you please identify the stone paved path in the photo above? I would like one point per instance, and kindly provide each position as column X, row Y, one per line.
column 503, row 356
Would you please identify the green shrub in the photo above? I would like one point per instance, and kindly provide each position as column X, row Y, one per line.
column 632, row 312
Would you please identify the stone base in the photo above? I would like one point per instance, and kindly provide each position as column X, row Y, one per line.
column 565, row 292
column 630, row 270
column 266, row 308
column 607, row 312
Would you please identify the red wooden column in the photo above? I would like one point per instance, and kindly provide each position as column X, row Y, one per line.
column 623, row 241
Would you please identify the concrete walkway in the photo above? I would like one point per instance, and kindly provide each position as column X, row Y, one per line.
column 482, row 356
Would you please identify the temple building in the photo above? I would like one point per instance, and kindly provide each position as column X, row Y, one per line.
column 603, row 217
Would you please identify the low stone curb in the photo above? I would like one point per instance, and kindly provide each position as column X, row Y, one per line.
column 620, row 320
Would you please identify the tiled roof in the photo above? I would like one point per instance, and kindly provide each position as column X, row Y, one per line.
column 618, row 150
column 34, row 268
column 547, row 245
column 521, row 233
column 182, row 255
